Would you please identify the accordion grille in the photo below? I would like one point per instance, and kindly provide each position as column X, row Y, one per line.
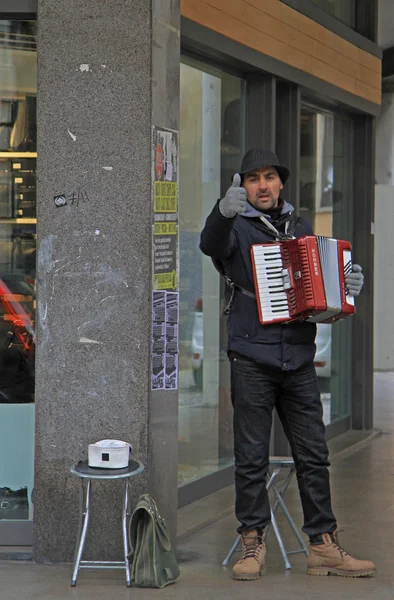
column 296, row 254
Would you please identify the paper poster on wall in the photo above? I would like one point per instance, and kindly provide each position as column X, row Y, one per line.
column 158, row 348
column 165, row 342
column 165, row 270
column 165, row 209
column 172, row 326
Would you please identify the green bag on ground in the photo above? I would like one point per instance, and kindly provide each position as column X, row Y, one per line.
column 153, row 561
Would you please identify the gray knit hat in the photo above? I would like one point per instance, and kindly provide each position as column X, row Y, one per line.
column 257, row 158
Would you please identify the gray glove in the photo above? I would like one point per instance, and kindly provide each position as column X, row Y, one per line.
column 354, row 281
column 234, row 201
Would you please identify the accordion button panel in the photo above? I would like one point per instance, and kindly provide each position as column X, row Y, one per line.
column 347, row 261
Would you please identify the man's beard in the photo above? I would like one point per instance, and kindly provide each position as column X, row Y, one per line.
column 269, row 204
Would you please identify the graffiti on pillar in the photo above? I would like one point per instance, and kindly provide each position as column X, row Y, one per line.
column 72, row 199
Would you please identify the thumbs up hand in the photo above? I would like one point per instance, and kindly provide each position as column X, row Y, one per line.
column 234, row 201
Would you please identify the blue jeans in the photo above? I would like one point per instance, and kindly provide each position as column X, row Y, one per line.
column 255, row 391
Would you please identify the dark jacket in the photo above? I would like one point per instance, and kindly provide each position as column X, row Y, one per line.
column 284, row 347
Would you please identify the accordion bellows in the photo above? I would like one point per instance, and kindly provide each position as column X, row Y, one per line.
column 302, row 279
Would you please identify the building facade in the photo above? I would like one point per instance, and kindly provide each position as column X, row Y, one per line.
column 384, row 193
column 120, row 128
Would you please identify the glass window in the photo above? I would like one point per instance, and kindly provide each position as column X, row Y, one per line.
column 18, row 87
column 211, row 147
column 326, row 179
column 345, row 10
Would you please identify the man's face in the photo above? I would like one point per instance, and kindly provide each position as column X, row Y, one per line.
column 263, row 187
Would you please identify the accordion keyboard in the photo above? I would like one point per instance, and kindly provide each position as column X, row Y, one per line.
column 270, row 282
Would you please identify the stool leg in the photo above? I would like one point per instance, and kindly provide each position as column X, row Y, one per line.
column 233, row 549
column 81, row 513
column 125, row 513
column 284, row 487
column 272, row 478
column 291, row 521
column 280, row 541
column 270, row 483
column 280, row 502
column 82, row 537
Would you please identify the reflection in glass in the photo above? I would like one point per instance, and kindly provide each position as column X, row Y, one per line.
column 210, row 151
column 326, row 175
column 18, row 147
column 345, row 10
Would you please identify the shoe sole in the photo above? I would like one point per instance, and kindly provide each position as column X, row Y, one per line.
column 251, row 577
column 321, row 571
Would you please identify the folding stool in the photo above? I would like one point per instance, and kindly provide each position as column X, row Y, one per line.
column 276, row 465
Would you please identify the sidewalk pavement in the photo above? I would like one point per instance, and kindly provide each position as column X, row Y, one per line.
column 362, row 483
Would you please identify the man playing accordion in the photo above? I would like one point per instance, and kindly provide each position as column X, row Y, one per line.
column 272, row 366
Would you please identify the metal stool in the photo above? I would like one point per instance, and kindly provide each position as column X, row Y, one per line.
column 83, row 471
column 276, row 465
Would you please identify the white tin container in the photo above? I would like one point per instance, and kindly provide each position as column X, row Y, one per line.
column 109, row 454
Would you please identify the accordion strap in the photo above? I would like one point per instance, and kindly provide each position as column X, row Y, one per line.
column 233, row 286
column 269, row 229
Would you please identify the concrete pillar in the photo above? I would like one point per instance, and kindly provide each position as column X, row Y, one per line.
column 108, row 72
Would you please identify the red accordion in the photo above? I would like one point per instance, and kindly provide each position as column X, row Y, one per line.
column 302, row 279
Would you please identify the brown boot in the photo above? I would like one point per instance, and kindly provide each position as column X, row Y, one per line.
column 251, row 564
column 329, row 558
